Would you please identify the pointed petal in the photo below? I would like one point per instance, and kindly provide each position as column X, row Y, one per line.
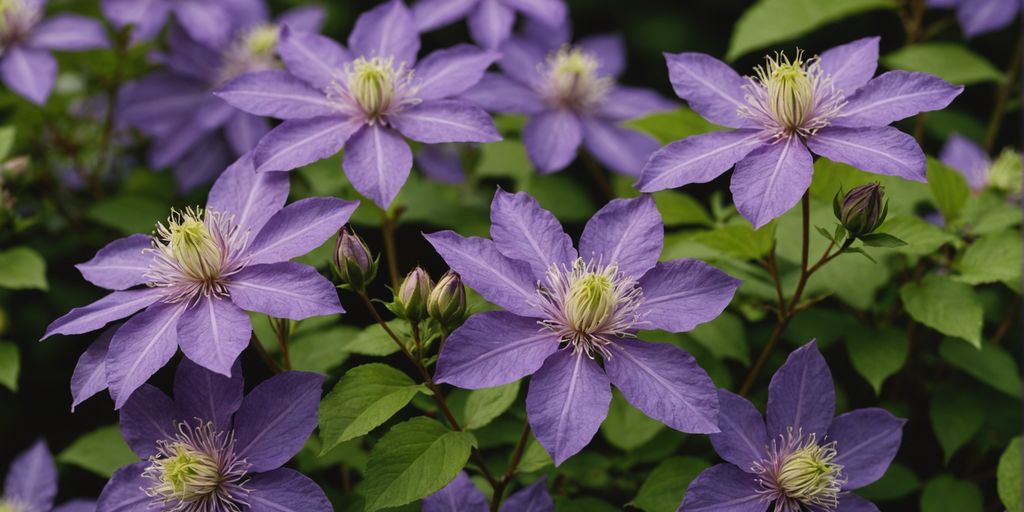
column 286, row 490
column 552, row 138
column 125, row 492
column 432, row 14
column 201, row 393
column 666, row 383
column 387, row 30
column 710, row 86
column 147, row 417
column 207, row 23
column 532, row 498
column 377, row 162
column 866, row 442
column 213, row 332
column 312, row 57
column 253, row 198
column 140, row 347
column 498, row 93
column 522, row 60
column 29, row 72
column 494, row 348
column 625, row 232
column 114, row 306
column 452, row 71
column 306, row 19
column 851, row 65
column 743, row 438
column 896, row 95
column 79, row 505
column 32, row 478
column 69, row 32
column 440, row 121
column 771, row 179
column 441, row 162
column 244, row 131
column 723, row 488
column 276, row 418
column 567, row 401
column 284, row 290
column 680, row 294
column 120, row 264
column 299, row 228
column 881, row 150
column 624, row 102
column 148, row 16
column 850, row 502
column 622, row 150
column 609, row 50
column 490, row 24
column 697, row 159
column 203, row 162
column 90, row 376
column 524, row 231
column 983, row 16
column 276, row 94
column 801, row 395
column 548, row 12
column 460, row 495
column 968, row 159
column 298, row 142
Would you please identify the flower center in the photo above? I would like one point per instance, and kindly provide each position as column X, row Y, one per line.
column 790, row 91
column 791, row 96
column 590, row 301
column 17, row 18
column 572, row 80
column 800, row 471
column 9, row 506
column 254, row 50
column 374, row 88
column 192, row 245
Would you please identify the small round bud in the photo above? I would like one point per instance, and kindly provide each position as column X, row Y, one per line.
column 412, row 295
column 447, row 301
column 863, row 209
column 353, row 262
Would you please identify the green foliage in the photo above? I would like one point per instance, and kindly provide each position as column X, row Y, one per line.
column 945, row 493
column 949, row 189
column 663, row 489
column 10, row 365
column 956, row 417
column 626, row 428
column 992, row 365
column 363, row 399
column 1009, row 476
column 991, row 258
column 22, row 268
column 945, row 305
column 484, row 405
column 101, row 451
column 952, row 61
column 673, row 125
column 877, row 354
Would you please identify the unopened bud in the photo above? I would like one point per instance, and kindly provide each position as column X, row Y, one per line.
column 447, row 301
column 353, row 262
column 412, row 295
column 863, row 209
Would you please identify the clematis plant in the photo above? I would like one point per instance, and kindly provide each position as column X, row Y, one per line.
column 829, row 105
column 798, row 457
column 971, row 160
column 26, row 39
column 568, row 310
column 977, row 17
column 210, row 449
column 196, row 277
column 31, row 484
column 490, row 21
column 365, row 99
column 461, row 495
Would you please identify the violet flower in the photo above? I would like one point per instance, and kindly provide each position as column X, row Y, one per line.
column 461, row 495
column 564, row 310
column 828, row 105
column 570, row 95
column 26, row 39
column 192, row 130
column 977, row 17
column 202, row 271
column 490, row 21
column 31, row 484
column 802, row 458
column 364, row 101
column 969, row 159
column 210, row 449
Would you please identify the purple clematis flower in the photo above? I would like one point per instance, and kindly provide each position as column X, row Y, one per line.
column 364, row 101
column 460, row 495
column 26, row 39
column 978, row 17
column 570, row 97
column 31, row 484
column 202, row 271
column 192, row 130
column 970, row 160
column 801, row 458
column 490, row 21
column 828, row 105
column 564, row 310
column 210, row 449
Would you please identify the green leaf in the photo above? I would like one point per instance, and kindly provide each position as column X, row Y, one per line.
column 128, row 214
column 724, row 337
column 535, row 457
column 101, row 451
column 584, row 504
column 673, row 125
column 945, row 493
column 678, row 209
column 739, row 240
column 945, row 305
column 375, row 341
column 321, row 350
column 897, row 482
column 881, row 240
column 413, row 460
column 22, row 268
column 877, row 354
column 1008, row 476
column 627, row 428
column 949, row 188
column 772, row 21
column 992, row 365
column 10, row 364
column 562, row 196
column 504, row 159
column 991, row 258
column 921, row 237
column 950, row 61
column 7, row 134
column 364, row 398
column 483, row 405
column 663, row 489
column 956, row 416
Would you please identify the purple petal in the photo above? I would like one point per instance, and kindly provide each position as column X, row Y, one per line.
column 149, row 416
column 148, row 16
column 697, row 159
column 377, row 162
column 169, row 148
column 866, row 442
column 32, row 478
column 549, row 12
column 881, row 150
column 850, row 502
column 896, row 95
column 201, row 393
column 743, row 438
column 29, row 72
column 609, row 50
column 666, row 383
column 552, row 138
column 202, row 163
column 69, row 32
column 460, row 495
column 524, row 231
column 490, row 24
column 441, row 162
column 567, row 401
column 851, row 65
column 285, row 490
column 79, row 505
column 213, row 332
column 723, row 488
column 284, row 290
column 532, row 498
column 114, row 306
column 299, row 228
column 253, row 198
column 298, row 142
column 522, row 60
column 680, row 294
column 276, row 94
column 627, row 233
column 207, row 23
column 120, row 264
column 452, row 71
column 276, row 418
column 981, row 16
column 312, row 57
column 308, row 19
column 90, row 376
column 244, row 131
column 710, row 86
column 498, row 93
column 124, row 492
column 968, row 159
column 622, row 150
column 550, row 36
column 154, row 104
column 140, row 347
column 502, row 281
column 494, row 348
column 623, row 103
column 440, row 121
column 771, row 179
column 801, row 395
column 432, row 14
column 387, row 30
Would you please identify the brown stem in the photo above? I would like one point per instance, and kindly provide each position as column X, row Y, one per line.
column 912, row 23
column 1007, row 323
column 282, row 342
column 1002, row 96
column 763, row 357
column 264, row 355
column 513, row 465
column 598, row 174
column 920, row 123
column 387, row 228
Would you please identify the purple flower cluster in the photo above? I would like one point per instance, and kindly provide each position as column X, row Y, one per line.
column 31, row 484
column 490, row 21
column 977, row 17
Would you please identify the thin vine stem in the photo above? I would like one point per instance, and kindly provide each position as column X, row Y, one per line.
column 388, row 225
column 264, row 355
column 513, row 466
column 1002, row 96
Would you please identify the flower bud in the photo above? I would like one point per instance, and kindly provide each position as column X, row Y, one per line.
column 447, row 301
column 353, row 262
column 863, row 209
column 411, row 299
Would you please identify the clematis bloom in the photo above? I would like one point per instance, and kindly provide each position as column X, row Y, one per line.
column 31, row 484
column 977, row 17
column 490, row 21
column 461, row 495
column 970, row 160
